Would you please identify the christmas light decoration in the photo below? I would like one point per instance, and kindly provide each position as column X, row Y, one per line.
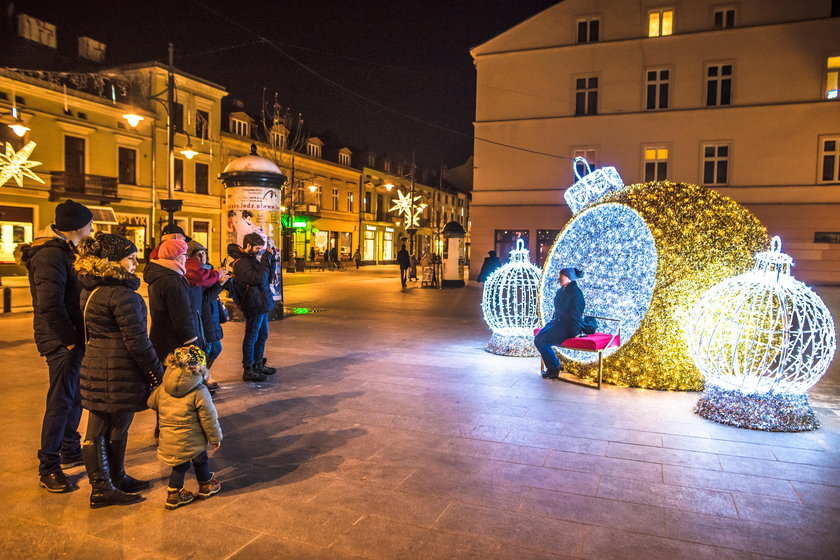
column 404, row 205
column 650, row 251
column 510, row 303
column 761, row 339
column 592, row 186
column 17, row 165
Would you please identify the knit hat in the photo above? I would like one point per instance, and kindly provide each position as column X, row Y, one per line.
column 111, row 246
column 70, row 216
column 194, row 247
column 572, row 273
column 169, row 229
column 190, row 357
column 171, row 248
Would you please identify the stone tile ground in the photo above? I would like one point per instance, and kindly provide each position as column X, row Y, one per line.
column 390, row 433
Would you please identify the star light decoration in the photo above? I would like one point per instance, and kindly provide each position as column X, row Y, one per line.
column 16, row 165
column 649, row 250
column 403, row 205
column 761, row 339
column 510, row 305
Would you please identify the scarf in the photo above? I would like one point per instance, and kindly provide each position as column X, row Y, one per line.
column 171, row 265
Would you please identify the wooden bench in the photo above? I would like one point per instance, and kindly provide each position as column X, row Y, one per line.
column 595, row 342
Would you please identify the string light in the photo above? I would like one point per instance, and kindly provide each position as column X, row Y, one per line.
column 510, row 303
column 649, row 251
column 591, row 186
column 761, row 339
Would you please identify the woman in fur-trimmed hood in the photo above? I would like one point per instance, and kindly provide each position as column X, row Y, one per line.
column 120, row 366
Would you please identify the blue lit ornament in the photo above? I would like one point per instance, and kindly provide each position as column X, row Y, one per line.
column 761, row 339
column 510, row 305
column 649, row 251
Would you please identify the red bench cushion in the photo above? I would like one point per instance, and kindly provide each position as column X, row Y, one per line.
column 595, row 341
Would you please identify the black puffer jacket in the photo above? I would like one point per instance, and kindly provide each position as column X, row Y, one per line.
column 120, row 365
column 210, row 313
column 251, row 280
column 173, row 322
column 55, row 290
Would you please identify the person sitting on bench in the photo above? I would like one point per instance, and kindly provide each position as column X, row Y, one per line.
column 566, row 323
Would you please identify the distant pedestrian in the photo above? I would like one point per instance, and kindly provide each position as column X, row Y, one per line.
column 412, row 268
column 405, row 262
column 57, row 321
column 566, row 323
column 334, row 256
column 119, row 368
column 357, row 256
column 491, row 263
column 312, row 253
column 209, row 282
column 173, row 320
column 188, row 424
column 253, row 273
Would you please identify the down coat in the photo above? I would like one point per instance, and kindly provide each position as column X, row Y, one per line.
column 204, row 298
column 188, row 418
column 55, row 289
column 174, row 323
column 251, row 280
column 120, row 364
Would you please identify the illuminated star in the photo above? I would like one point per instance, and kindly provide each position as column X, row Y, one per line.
column 406, row 206
column 17, row 165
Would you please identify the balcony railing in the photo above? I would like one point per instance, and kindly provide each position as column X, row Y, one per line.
column 83, row 185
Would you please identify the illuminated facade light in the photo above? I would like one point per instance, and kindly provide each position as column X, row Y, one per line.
column 188, row 152
column 19, row 129
column 761, row 339
column 510, row 303
column 133, row 119
column 312, row 188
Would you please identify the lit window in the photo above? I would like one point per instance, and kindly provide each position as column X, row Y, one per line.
column 586, row 96
column 719, row 85
column 658, row 86
column 660, row 23
column 715, row 164
column 238, row 127
column 588, row 30
column 350, row 200
column 832, row 77
column 830, row 159
column 656, row 163
column 725, row 18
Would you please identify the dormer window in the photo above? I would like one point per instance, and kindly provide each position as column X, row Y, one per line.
column 386, row 165
column 239, row 127
column 278, row 140
column 344, row 159
column 313, row 149
column 371, row 160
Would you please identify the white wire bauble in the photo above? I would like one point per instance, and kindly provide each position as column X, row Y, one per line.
column 510, row 303
column 762, row 332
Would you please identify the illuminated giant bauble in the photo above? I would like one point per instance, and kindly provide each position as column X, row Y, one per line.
column 510, row 305
column 761, row 339
column 649, row 251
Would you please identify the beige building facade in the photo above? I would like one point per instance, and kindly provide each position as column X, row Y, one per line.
column 740, row 97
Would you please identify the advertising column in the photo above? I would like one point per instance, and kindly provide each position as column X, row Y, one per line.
column 252, row 205
column 453, row 255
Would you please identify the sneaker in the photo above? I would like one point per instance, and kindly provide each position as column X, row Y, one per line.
column 207, row 489
column 57, row 483
column 177, row 497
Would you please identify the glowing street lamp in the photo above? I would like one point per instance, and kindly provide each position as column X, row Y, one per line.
column 133, row 119
column 313, row 188
column 188, row 152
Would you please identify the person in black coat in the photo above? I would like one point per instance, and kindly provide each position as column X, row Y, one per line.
column 404, row 261
column 174, row 324
column 491, row 263
column 253, row 272
column 210, row 283
column 566, row 323
column 119, row 367
column 57, row 321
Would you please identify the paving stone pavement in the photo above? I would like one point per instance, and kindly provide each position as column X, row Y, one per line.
column 389, row 433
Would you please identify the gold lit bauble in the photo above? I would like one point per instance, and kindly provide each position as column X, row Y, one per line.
column 649, row 252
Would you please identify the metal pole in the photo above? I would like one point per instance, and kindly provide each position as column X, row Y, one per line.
column 170, row 89
column 413, row 231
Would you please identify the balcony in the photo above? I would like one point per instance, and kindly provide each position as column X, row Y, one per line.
column 82, row 185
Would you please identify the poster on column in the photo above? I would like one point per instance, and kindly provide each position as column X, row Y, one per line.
column 255, row 209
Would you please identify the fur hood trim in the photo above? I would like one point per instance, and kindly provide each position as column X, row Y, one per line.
column 95, row 270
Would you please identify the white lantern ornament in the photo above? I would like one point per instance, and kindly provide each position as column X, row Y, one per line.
column 761, row 339
column 510, row 303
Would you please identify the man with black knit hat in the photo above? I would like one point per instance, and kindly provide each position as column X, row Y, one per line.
column 59, row 337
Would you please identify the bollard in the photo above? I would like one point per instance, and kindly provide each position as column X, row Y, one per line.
column 7, row 300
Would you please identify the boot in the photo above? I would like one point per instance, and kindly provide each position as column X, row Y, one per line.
column 102, row 492
column 209, row 487
column 252, row 374
column 177, row 497
column 263, row 368
column 121, row 481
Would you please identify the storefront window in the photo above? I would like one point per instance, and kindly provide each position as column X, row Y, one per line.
column 369, row 247
column 345, row 244
column 388, row 246
column 545, row 240
column 15, row 228
column 133, row 226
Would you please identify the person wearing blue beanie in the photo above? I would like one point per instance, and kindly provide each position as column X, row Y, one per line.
column 567, row 321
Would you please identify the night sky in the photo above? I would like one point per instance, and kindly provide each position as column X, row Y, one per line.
column 412, row 57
